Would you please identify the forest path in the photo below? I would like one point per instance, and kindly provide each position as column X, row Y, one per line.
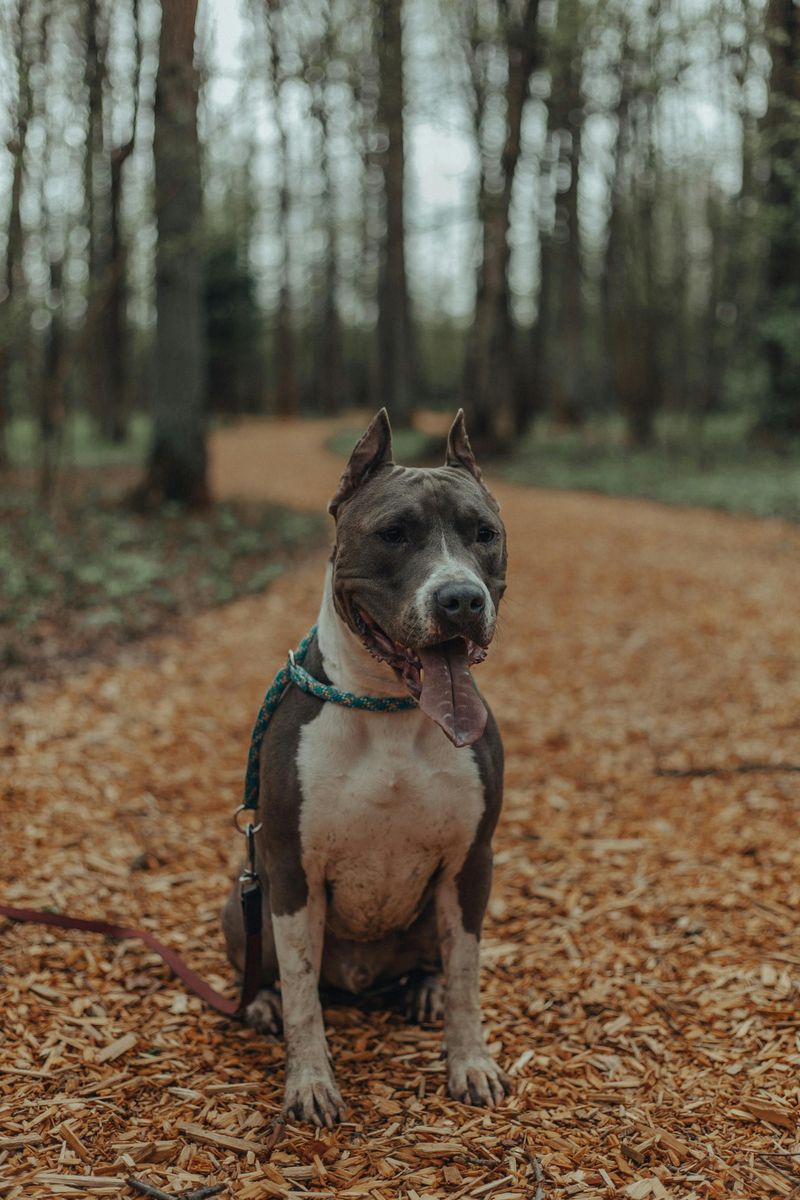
column 641, row 949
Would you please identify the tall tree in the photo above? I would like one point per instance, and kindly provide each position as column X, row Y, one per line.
column 177, row 467
column 116, row 326
column 396, row 367
column 491, row 382
column 287, row 393
column 51, row 382
column 327, row 367
column 14, row 278
column 629, row 283
column 780, row 324
column 560, row 334
column 96, row 192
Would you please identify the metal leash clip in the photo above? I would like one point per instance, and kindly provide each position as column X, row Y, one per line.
column 243, row 808
column 252, row 917
column 248, row 873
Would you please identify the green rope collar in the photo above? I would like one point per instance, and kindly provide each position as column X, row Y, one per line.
column 295, row 673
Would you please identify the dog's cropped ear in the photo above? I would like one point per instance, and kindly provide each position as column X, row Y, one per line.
column 459, row 451
column 373, row 450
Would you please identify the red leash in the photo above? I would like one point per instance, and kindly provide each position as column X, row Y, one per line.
column 251, row 915
column 250, row 883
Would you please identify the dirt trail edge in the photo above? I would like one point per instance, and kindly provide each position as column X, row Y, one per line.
column 642, row 954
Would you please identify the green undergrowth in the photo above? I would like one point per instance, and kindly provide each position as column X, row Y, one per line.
column 81, row 445
column 716, row 470
column 93, row 574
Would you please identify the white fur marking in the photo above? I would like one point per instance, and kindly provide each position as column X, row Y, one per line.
column 461, row 956
column 347, row 664
column 387, row 801
column 311, row 1090
column 451, row 569
column 472, row 1075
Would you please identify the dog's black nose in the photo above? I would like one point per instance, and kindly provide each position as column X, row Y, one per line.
column 460, row 600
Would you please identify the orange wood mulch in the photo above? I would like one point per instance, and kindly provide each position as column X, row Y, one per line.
column 642, row 953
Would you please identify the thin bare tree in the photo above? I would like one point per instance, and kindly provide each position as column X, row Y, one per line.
column 492, row 386
column 177, row 467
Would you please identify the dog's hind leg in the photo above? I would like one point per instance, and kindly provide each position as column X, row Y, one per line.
column 419, row 956
column 412, row 955
column 423, row 997
column 265, row 1014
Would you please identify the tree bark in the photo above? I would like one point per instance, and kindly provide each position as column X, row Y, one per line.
column 780, row 415
column 328, row 364
column 629, row 283
column 177, row 469
column 96, row 192
column 115, row 409
column 559, row 335
column 14, row 275
column 286, row 399
column 396, row 350
column 491, row 382
column 51, row 383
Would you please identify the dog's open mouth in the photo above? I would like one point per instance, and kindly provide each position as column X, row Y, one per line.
column 438, row 676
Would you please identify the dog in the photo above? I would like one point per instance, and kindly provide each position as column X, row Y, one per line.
column 374, row 849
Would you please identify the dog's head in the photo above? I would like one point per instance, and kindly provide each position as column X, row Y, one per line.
column 419, row 570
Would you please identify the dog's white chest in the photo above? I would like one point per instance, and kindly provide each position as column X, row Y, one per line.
column 387, row 801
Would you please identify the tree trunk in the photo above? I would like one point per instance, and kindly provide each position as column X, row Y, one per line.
column 96, row 191
column 491, row 382
column 328, row 364
column 177, row 469
column 396, row 351
column 489, row 377
column 116, row 324
column 14, row 275
column 51, row 383
column 560, row 328
column 780, row 414
column 51, row 390
column 629, row 283
column 114, row 409
column 287, row 393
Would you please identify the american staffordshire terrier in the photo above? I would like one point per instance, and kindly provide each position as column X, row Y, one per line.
column 375, row 851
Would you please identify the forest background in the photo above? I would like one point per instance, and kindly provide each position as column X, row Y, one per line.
column 579, row 220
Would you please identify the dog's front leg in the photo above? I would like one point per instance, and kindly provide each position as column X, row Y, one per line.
column 311, row 1091
column 472, row 1074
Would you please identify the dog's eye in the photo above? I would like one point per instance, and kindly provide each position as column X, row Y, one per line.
column 486, row 534
column 394, row 535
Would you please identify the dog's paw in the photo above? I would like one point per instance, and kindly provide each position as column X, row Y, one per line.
column 264, row 1014
column 312, row 1096
column 424, row 999
column 476, row 1079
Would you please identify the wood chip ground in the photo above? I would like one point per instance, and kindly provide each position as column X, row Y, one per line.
column 641, row 953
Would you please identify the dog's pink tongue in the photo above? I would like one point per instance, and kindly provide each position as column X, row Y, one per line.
column 449, row 696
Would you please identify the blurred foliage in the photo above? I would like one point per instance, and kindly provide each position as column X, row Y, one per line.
column 232, row 330
column 411, row 447
column 82, row 444
column 717, row 470
column 93, row 574
column 586, row 217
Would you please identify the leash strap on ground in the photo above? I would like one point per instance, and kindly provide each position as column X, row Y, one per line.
column 251, row 913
